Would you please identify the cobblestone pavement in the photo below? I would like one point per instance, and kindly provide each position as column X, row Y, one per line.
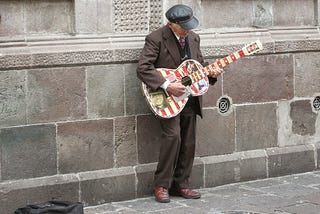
column 293, row 194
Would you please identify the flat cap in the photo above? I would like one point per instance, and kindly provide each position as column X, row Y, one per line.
column 182, row 15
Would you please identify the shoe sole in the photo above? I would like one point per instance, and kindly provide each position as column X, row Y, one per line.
column 162, row 201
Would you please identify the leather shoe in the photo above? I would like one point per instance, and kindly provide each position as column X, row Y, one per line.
column 161, row 194
column 185, row 193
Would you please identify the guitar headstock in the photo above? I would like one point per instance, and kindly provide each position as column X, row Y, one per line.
column 252, row 48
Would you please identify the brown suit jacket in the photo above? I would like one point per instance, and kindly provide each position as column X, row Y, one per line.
column 161, row 51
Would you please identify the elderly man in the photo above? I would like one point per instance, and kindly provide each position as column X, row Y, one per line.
column 168, row 47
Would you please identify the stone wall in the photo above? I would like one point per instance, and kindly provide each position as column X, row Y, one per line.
column 75, row 126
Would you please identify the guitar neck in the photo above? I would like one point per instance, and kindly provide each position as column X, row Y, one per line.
column 221, row 63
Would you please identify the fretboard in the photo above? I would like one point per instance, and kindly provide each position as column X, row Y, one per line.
column 220, row 63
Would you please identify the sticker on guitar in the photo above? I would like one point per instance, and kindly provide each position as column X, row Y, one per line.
column 192, row 75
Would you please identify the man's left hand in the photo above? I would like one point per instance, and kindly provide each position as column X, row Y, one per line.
column 216, row 72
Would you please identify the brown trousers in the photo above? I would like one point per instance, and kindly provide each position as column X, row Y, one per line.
column 177, row 149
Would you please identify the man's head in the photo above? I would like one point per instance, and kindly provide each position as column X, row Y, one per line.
column 182, row 15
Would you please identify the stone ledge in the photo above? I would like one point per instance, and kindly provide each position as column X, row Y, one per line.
column 67, row 51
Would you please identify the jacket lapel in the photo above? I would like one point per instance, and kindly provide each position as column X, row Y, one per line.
column 171, row 45
column 193, row 45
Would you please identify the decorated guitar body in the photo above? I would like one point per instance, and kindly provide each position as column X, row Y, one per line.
column 192, row 75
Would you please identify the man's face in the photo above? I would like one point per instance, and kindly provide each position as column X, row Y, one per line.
column 178, row 30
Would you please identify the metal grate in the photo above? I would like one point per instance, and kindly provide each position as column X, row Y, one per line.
column 224, row 105
column 316, row 103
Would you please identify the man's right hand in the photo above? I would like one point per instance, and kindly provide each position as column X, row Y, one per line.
column 176, row 89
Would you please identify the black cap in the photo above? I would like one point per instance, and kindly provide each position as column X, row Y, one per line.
column 182, row 15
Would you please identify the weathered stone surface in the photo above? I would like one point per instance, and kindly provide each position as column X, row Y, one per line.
column 125, row 142
column 221, row 169
column 28, row 152
column 134, row 100
column 293, row 12
column 272, row 75
column 105, row 91
column 290, row 160
column 93, row 16
column 148, row 135
column 19, row 193
column 130, row 15
column 219, row 18
column 48, row 16
column 56, row 94
column 215, row 134
column 104, row 186
column 12, row 98
column 11, row 18
column 307, row 78
column 85, row 145
column 256, row 126
column 303, row 118
column 262, row 13
column 253, row 165
column 145, row 176
column 213, row 94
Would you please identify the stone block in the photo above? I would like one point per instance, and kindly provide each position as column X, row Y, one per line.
column 148, row 135
column 293, row 12
column 105, row 91
column 105, row 186
column 28, row 152
column 19, row 193
column 213, row 94
column 290, row 160
column 303, row 118
column 12, row 98
column 125, row 142
column 259, row 79
column 145, row 177
column 49, row 17
column 11, row 18
column 263, row 13
column 85, row 145
column 241, row 14
column 307, row 78
column 56, row 94
column 253, row 165
column 134, row 100
column 256, row 126
column 93, row 16
column 222, row 169
column 215, row 134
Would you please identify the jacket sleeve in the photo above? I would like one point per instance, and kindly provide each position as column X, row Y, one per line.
column 146, row 70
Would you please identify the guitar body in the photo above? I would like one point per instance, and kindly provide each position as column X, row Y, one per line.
column 194, row 77
column 166, row 105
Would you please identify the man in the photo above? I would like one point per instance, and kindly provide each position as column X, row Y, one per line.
column 162, row 49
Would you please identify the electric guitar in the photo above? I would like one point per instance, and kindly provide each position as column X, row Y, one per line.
column 194, row 77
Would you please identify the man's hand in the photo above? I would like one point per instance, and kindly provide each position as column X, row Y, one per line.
column 176, row 89
column 215, row 73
